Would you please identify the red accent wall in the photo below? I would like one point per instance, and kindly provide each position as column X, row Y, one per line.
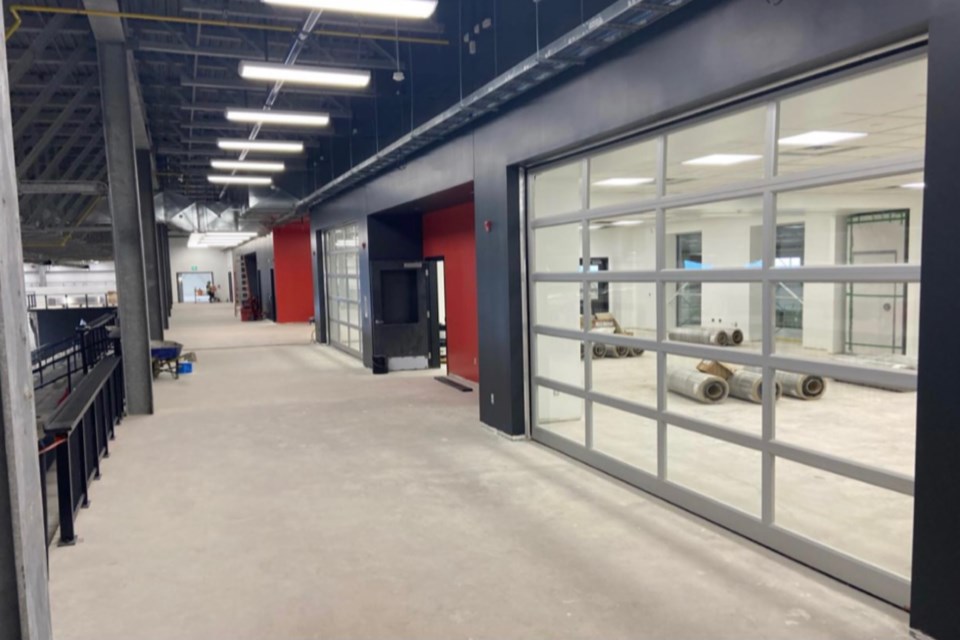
column 449, row 233
column 293, row 271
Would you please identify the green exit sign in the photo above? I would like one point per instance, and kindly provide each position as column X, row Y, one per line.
column 193, row 268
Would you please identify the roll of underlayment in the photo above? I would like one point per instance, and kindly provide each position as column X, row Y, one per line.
column 801, row 385
column 698, row 386
column 701, row 335
column 748, row 385
column 736, row 336
column 599, row 350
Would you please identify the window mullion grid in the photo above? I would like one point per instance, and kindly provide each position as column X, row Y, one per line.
column 661, row 304
column 768, row 290
column 586, row 304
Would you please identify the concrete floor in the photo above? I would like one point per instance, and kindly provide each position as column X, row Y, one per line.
column 282, row 491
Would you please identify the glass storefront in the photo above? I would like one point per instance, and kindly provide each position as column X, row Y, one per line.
column 726, row 313
column 342, row 252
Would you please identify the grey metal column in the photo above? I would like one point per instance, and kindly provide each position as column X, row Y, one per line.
column 127, row 232
column 148, row 223
column 24, row 599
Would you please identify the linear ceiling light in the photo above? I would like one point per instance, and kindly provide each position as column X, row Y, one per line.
column 219, row 239
column 392, row 8
column 623, row 182
column 247, row 165
column 297, row 74
column 241, row 180
column 914, row 185
column 275, row 146
column 291, row 118
column 820, row 138
column 722, row 159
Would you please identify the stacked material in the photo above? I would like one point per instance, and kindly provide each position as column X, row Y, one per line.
column 801, row 385
column 702, row 387
column 707, row 335
column 748, row 385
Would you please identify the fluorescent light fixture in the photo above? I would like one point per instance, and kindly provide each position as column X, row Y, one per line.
column 820, row 138
column 247, row 165
column 722, row 159
column 623, row 182
column 291, row 118
column 914, row 185
column 261, row 181
column 627, row 223
column 270, row 146
column 392, row 8
column 298, row 74
column 219, row 239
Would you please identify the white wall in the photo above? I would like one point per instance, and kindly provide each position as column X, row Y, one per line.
column 183, row 259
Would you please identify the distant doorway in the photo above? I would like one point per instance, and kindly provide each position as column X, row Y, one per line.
column 192, row 287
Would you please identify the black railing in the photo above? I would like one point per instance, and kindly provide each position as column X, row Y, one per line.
column 80, row 431
column 73, row 357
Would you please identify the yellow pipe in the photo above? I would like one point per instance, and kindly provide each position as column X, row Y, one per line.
column 16, row 9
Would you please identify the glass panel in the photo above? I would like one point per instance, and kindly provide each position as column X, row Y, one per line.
column 558, row 249
column 624, row 243
column 560, row 360
column 562, row 414
column 334, row 332
column 629, row 375
column 557, row 191
column 717, row 469
column 730, row 235
column 558, row 304
column 859, row 519
column 855, row 119
column 628, row 308
column 354, row 315
column 715, row 392
column 869, row 222
column 717, row 153
column 332, row 309
column 860, row 323
column 875, row 427
column 722, row 314
column 352, row 292
column 344, row 311
column 625, row 175
column 625, row 436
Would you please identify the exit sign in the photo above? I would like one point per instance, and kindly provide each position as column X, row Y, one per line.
column 193, row 268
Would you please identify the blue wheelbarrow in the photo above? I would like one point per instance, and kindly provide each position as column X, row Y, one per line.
column 165, row 356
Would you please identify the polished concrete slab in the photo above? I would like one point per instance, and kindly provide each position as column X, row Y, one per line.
column 282, row 491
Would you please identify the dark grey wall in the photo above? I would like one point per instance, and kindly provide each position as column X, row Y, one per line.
column 55, row 325
column 936, row 548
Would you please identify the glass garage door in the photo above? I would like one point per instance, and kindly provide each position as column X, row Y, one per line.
column 734, row 369
column 342, row 250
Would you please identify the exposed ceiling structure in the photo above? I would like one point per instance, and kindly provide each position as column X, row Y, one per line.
column 184, row 65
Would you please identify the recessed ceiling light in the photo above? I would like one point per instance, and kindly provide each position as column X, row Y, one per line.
column 298, row 74
column 722, row 159
column 820, row 138
column 623, row 182
column 241, row 180
column 247, row 165
column 276, row 146
column 914, row 185
column 627, row 223
column 292, row 118
column 393, row 8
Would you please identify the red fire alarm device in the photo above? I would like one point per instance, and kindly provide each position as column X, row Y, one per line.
column 488, row 225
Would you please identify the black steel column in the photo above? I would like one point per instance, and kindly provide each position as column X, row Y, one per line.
column 127, row 232
column 164, row 275
column 149, row 225
column 24, row 599
column 935, row 600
